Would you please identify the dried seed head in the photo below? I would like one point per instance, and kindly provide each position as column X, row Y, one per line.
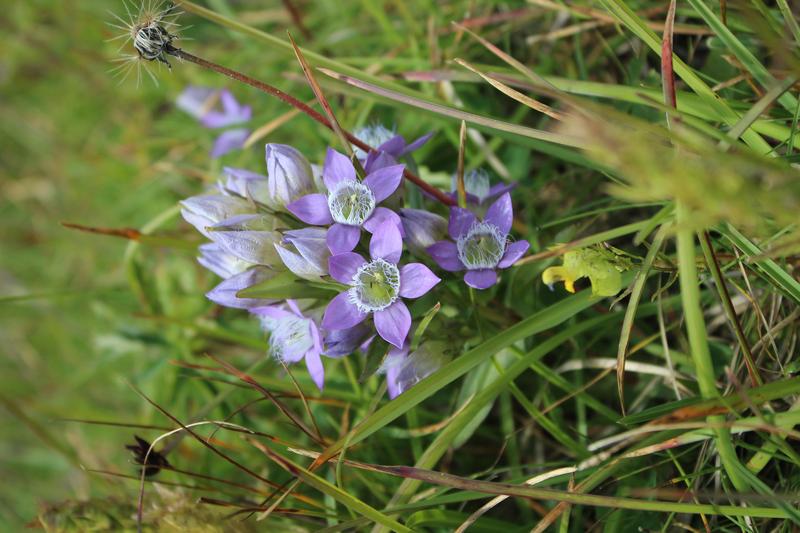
column 152, row 30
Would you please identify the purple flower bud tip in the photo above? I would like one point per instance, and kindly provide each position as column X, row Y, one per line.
column 289, row 174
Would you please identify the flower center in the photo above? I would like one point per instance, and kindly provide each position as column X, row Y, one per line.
column 290, row 337
column 375, row 286
column 482, row 246
column 351, row 203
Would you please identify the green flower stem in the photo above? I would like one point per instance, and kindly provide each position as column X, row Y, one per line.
column 698, row 342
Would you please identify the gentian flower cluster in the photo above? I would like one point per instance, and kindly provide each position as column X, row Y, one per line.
column 330, row 231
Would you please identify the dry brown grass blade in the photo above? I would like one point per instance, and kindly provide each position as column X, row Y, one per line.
column 223, row 455
column 462, row 148
column 279, row 404
column 124, row 233
column 337, row 129
column 513, row 93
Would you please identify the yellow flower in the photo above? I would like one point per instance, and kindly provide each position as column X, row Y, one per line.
column 601, row 266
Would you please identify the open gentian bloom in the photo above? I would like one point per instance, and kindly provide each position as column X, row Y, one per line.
column 293, row 337
column 480, row 247
column 349, row 204
column 377, row 287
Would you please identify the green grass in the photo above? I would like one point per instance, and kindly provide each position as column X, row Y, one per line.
column 529, row 390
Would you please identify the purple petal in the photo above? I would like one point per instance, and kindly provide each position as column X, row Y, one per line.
column 417, row 144
column 393, row 323
column 381, row 215
column 383, row 182
column 294, row 309
column 342, row 238
column 229, row 141
column 343, row 342
column 393, row 146
column 514, row 251
column 445, row 253
column 315, row 368
column 312, row 209
column 461, row 220
column 337, row 168
column 378, row 160
column 480, row 279
column 341, row 313
column 386, row 243
column 344, row 266
column 501, row 214
column 500, row 188
column 416, row 279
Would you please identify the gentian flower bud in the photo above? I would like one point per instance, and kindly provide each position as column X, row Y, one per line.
column 225, row 293
column 404, row 370
column 422, row 228
column 204, row 211
column 248, row 185
column 251, row 238
column 305, row 252
column 289, row 175
column 217, row 260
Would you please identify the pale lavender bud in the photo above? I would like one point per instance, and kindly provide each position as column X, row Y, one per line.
column 305, row 252
column 204, row 211
column 289, row 174
column 246, row 184
column 217, row 260
column 251, row 238
column 404, row 370
column 225, row 293
column 422, row 228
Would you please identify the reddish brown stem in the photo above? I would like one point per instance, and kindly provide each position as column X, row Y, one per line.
column 297, row 104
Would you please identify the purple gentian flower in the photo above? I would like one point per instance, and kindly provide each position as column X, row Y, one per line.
column 388, row 141
column 479, row 247
column 479, row 188
column 349, row 204
column 377, row 286
column 293, row 337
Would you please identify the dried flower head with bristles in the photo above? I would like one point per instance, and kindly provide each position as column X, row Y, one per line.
column 152, row 31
